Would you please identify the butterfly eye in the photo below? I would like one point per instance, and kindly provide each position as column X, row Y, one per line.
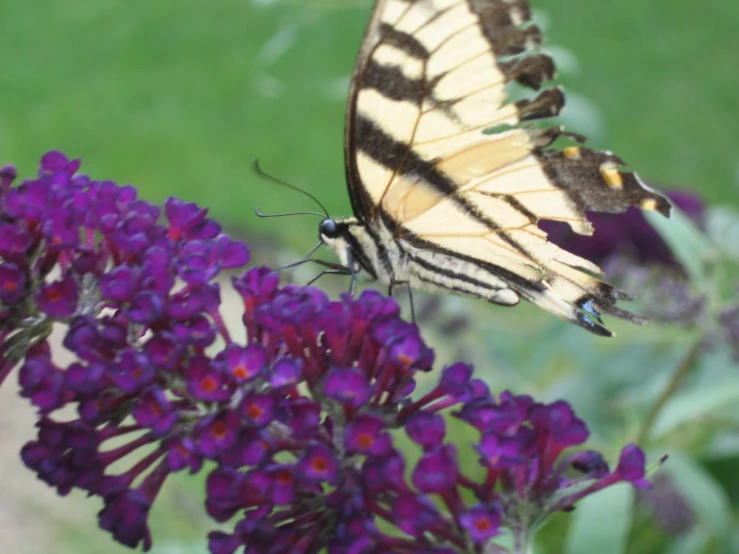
column 328, row 229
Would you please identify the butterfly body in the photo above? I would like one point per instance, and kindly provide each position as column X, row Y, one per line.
column 448, row 178
column 372, row 249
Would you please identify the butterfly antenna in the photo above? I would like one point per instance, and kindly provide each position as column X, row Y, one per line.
column 262, row 214
column 260, row 173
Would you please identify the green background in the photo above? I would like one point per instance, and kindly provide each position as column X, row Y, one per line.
column 179, row 97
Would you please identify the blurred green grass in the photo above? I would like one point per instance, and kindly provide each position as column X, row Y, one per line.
column 178, row 97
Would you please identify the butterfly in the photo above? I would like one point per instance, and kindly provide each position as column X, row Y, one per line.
column 448, row 176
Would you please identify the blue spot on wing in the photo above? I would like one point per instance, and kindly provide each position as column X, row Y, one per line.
column 589, row 317
column 590, row 308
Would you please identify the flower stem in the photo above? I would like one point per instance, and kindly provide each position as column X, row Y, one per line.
column 678, row 376
column 521, row 540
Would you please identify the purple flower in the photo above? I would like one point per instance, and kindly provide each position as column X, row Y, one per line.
column 319, row 465
column 286, row 373
column 188, row 221
column 258, row 409
column 58, row 298
column 12, row 283
column 218, row 433
column 120, row 283
column 244, row 364
column 205, row 382
column 181, row 453
column 437, row 471
column 14, row 241
column 125, row 517
column 415, row 515
column 501, row 452
column 8, row 174
column 366, row 435
column 56, row 163
column 590, row 463
column 300, row 425
column 154, row 410
column 349, row 386
column 60, row 229
column 630, row 466
column 426, row 429
column 131, row 371
column 481, row 522
column 43, row 383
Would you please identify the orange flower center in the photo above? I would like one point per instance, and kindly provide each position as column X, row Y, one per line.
column 219, row 429
column 208, row 384
column 365, row 440
column 254, row 411
column 482, row 524
column 240, row 372
column 320, row 464
column 53, row 295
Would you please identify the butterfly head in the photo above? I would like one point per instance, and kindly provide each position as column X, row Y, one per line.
column 345, row 237
column 328, row 230
column 333, row 233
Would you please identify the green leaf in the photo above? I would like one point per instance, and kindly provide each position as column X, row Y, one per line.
column 704, row 494
column 689, row 245
column 722, row 225
column 181, row 547
column 691, row 542
column 696, row 402
column 601, row 522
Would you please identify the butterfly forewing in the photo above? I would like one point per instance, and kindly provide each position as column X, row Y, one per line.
column 438, row 155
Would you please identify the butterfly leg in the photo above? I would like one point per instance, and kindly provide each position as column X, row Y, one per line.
column 302, row 261
column 353, row 269
column 393, row 284
column 353, row 284
column 333, row 269
column 339, row 271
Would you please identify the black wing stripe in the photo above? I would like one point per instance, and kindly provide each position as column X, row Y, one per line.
column 453, row 288
column 396, row 156
column 392, row 83
column 509, row 276
column 587, row 317
column 361, row 256
column 462, row 277
column 403, row 41
column 382, row 253
column 514, row 203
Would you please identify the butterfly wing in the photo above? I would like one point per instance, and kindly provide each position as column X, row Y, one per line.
column 437, row 151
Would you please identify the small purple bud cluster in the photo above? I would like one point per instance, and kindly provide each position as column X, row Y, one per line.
column 302, row 421
column 327, row 471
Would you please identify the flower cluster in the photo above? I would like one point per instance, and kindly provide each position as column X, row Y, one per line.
column 309, row 416
column 341, row 476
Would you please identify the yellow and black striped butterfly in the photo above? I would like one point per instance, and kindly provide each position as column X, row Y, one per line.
column 448, row 178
